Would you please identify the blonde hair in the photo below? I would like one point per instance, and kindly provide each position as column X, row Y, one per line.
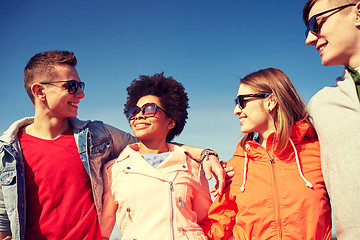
column 289, row 109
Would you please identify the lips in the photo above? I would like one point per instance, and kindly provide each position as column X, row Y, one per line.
column 321, row 47
column 242, row 119
column 139, row 126
column 74, row 104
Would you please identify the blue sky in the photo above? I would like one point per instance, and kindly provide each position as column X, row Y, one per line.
column 205, row 44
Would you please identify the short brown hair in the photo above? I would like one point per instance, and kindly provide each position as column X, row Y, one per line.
column 42, row 66
column 289, row 109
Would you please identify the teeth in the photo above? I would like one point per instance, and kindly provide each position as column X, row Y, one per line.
column 321, row 48
column 140, row 125
column 73, row 104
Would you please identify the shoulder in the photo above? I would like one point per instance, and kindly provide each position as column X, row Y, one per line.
column 183, row 156
column 309, row 145
column 129, row 150
column 238, row 157
column 101, row 129
column 93, row 125
column 179, row 151
column 344, row 83
column 309, row 155
column 321, row 101
column 80, row 125
column 321, row 96
column 11, row 133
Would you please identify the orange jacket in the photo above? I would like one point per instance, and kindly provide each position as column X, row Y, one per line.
column 282, row 198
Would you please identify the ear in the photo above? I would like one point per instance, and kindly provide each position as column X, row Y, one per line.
column 357, row 17
column 271, row 102
column 38, row 91
column 171, row 124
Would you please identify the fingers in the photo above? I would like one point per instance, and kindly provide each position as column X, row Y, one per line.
column 224, row 163
column 228, row 181
column 216, row 193
column 229, row 172
column 215, row 190
column 207, row 170
column 211, row 167
column 221, row 181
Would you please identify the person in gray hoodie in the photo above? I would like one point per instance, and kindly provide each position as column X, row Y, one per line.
column 333, row 28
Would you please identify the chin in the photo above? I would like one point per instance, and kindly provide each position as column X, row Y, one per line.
column 244, row 130
column 326, row 63
column 332, row 62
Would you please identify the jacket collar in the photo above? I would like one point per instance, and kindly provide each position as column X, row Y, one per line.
column 176, row 161
column 11, row 133
column 301, row 130
column 77, row 123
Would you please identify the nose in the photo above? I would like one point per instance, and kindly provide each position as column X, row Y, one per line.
column 80, row 93
column 311, row 39
column 237, row 110
column 139, row 115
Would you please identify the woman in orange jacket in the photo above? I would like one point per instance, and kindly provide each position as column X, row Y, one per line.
column 155, row 190
column 278, row 190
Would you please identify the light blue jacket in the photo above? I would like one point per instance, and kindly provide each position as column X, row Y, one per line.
column 97, row 144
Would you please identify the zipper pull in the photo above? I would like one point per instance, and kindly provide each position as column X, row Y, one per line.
column 171, row 185
column 181, row 202
column 128, row 210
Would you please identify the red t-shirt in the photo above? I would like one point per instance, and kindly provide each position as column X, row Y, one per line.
column 59, row 201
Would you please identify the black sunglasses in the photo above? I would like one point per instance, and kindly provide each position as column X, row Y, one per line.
column 242, row 99
column 313, row 26
column 148, row 110
column 72, row 85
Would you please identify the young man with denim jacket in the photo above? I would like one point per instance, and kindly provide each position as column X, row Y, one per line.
column 333, row 28
column 46, row 193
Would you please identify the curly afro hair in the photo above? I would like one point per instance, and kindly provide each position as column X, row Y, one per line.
column 171, row 94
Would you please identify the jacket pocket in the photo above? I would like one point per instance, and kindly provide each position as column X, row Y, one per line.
column 192, row 233
column 188, row 213
column 126, row 218
column 9, row 190
column 99, row 148
column 8, row 178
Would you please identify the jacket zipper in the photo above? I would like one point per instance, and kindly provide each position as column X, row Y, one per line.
column 184, row 231
column 171, row 188
column 126, row 215
column 182, row 205
column 171, row 210
column 276, row 199
column 189, row 229
column 275, row 196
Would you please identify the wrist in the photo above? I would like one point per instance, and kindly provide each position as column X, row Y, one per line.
column 206, row 153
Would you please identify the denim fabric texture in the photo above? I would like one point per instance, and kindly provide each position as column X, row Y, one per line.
column 97, row 144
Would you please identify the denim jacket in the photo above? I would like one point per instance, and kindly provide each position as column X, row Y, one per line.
column 97, row 144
